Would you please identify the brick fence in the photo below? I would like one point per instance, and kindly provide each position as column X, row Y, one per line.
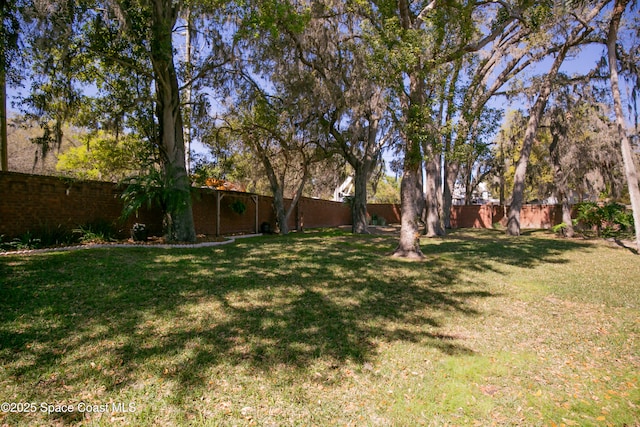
column 29, row 202
column 483, row 216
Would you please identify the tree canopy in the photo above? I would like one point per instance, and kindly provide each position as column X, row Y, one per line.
column 305, row 92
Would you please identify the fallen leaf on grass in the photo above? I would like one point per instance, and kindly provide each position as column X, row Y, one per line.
column 489, row 390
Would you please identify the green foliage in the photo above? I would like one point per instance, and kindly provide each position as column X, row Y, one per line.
column 378, row 220
column 506, row 151
column 610, row 220
column 44, row 236
column 97, row 231
column 502, row 16
column 387, row 190
column 149, row 190
column 238, row 206
column 47, row 236
column 10, row 38
column 589, row 214
column 561, row 228
column 104, row 157
column 273, row 16
column 23, row 242
column 538, row 14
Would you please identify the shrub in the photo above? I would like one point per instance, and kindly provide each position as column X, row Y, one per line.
column 610, row 220
column 97, row 231
column 151, row 190
column 589, row 215
column 378, row 220
column 44, row 236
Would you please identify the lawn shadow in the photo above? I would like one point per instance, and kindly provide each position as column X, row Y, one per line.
column 263, row 303
column 628, row 245
column 486, row 249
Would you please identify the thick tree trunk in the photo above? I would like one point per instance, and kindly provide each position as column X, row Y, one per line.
column 409, row 244
column 276, row 189
column 433, row 194
column 281, row 212
column 566, row 216
column 188, row 89
column 517, row 198
column 179, row 223
column 627, row 152
column 359, row 202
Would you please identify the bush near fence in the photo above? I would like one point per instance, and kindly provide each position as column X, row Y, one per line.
column 29, row 202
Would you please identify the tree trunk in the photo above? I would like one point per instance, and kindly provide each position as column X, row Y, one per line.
column 277, row 189
column 296, row 199
column 433, row 191
column 450, row 176
column 577, row 35
column 179, row 223
column 517, row 198
column 188, row 89
column 502, row 170
column 281, row 213
column 627, row 152
column 359, row 202
column 468, row 187
column 421, row 201
column 4, row 143
column 566, row 215
column 409, row 244
column 559, row 177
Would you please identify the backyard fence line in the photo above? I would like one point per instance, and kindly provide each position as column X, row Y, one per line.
column 31, row 202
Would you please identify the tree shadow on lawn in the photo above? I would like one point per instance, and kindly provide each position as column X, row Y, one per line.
column 491, row 248
column 264, row 303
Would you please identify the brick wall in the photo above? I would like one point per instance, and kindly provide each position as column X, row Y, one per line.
column 390, row 212
column 484, row 216
column 473, row 216
column 29, row 202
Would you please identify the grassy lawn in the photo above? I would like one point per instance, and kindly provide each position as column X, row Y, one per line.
column 324, row 328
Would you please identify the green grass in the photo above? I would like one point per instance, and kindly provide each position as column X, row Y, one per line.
column 324, row 328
